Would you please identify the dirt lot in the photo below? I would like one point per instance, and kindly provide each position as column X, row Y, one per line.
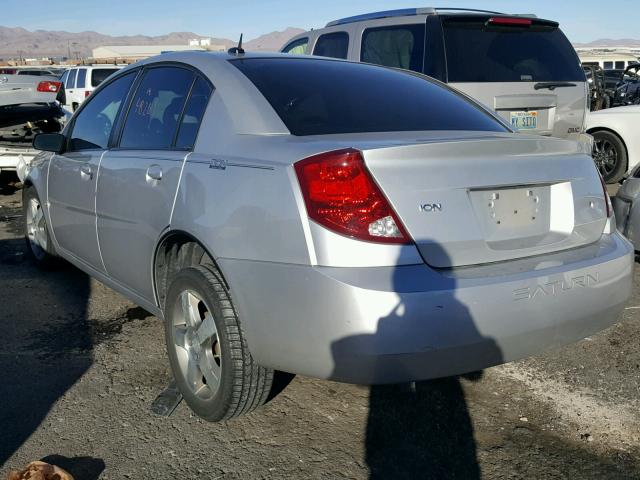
column 80, row 366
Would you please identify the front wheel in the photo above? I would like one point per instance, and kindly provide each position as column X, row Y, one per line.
column 37, row 238
column 610, row 155
column 207, row 351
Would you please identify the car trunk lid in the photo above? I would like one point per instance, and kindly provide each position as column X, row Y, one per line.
column 471, row 201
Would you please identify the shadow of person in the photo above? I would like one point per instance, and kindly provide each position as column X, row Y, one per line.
column 46, row 343
column 424, row 432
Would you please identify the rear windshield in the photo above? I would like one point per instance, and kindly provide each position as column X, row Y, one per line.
column 100, row 74
column 319, row 97
column 476, row 52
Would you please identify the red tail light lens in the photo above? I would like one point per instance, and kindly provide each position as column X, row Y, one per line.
column 86, row 93
column 510, row 21
column 341, row 195
column 49, row 87
column 607, row 198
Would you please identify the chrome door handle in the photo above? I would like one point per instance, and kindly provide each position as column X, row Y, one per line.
column 85, row 172
column 154, row 173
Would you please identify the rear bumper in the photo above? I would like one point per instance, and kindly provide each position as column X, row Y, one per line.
column 386, row 325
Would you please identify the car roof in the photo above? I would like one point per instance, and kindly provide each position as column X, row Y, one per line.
column 407, row 12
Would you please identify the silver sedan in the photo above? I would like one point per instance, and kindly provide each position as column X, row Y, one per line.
column 326, row 218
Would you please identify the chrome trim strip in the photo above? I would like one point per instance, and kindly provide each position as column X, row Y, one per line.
column 219, row 164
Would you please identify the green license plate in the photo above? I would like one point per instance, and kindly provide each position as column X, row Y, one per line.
column 524, row 120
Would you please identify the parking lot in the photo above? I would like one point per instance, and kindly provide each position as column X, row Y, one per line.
column 81, row 365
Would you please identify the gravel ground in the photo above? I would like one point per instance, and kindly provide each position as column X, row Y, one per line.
column 80, row 366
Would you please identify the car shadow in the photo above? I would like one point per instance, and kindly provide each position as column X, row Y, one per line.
column 422, row 429
column 46, row 343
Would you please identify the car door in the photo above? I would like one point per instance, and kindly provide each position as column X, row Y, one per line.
column 139, row 179
column 70, row 89
column 79, row 93
column 73, row 174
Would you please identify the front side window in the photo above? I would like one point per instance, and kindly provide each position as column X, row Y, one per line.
column 297, row 47
column 93, row 125
column 72, row 78
column 156, row 108
column 398, row 46
column 317, row 97
column 334, row 45
column 82, row 76
column 64, row 78
column 193, row 112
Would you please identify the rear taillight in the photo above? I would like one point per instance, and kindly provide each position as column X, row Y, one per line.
column 607, row 198
column 49, row 87
column 510, row 21
column 341, row 195
column 86, row 93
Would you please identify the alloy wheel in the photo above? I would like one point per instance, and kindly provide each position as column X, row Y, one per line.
column 605, row 154
column 197, row 345
column 36, row 228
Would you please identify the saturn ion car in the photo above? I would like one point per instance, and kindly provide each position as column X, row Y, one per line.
column 320, row 217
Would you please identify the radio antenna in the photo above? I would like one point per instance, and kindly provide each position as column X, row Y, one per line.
column 237, row 50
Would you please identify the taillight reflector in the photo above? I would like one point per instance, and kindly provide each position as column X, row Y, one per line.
column 341, row 195
column 49, row 87
column 510, row 21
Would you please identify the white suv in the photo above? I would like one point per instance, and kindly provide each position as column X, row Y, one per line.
column 79, row 82
column 521, row 66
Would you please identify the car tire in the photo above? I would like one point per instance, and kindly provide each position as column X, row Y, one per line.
column 610, row 155
column 207, row 350
column 39, row 245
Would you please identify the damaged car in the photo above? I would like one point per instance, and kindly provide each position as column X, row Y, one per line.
column 27, row 107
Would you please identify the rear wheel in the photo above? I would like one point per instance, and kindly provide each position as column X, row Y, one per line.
column 37, row 238
column 209, row 357
column 610, row 155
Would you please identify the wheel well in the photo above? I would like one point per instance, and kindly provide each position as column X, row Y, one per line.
column 591, row 131
column 176, row 251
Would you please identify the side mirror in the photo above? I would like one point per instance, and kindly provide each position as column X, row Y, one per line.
column 49, row 142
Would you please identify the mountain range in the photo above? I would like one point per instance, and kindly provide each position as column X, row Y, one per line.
column 43, row 43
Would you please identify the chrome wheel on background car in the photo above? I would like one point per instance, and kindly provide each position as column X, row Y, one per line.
column 610, row 155
column 195, row 338
column 208, row 354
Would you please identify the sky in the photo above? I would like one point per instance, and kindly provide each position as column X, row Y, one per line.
column 581, row 20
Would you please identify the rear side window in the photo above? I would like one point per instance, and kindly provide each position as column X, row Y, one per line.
column 156, row 108
column 64, row 77
column 98, row 75
column 476, row 52
column 196, row 105
column 92, row 126
column 82, row 76
column 334, row 45
column 317, row 97
column 297, row 47
column 72, row 78
column 396, row 46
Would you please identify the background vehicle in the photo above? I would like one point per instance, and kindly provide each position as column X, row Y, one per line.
column 598, row 93
column 521, row 66
column 27, row 107
column 616, row 148
column 316, row 223
column 628, row 91
column 80, row 81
